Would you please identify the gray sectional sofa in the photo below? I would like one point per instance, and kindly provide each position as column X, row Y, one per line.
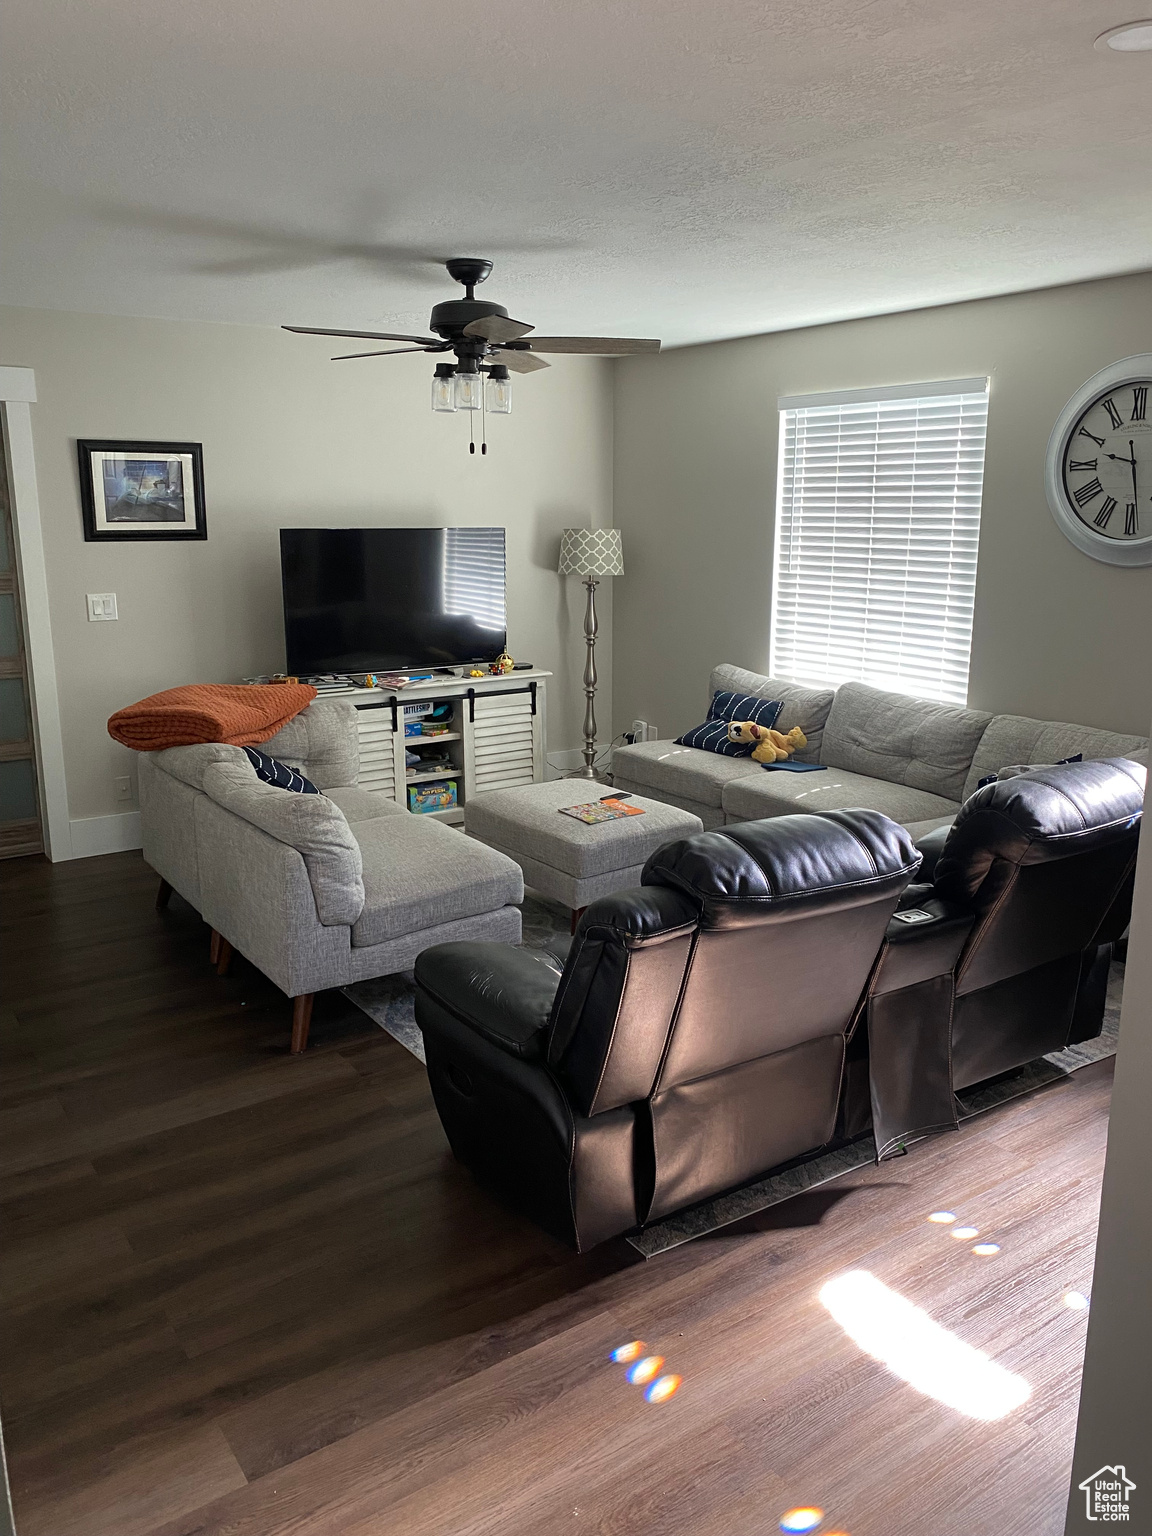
column 914, row 760
column 316, row 890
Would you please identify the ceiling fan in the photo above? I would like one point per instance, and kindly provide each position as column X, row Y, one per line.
column 487, row 345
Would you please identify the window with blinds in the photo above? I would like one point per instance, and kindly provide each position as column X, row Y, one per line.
column 877, row 530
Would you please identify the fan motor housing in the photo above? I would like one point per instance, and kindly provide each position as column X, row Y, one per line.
column 450, row 317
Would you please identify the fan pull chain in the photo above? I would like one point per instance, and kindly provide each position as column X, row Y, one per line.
column 484, row 417
column 471, row 432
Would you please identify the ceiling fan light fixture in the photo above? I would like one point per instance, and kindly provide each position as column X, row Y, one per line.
column 498, row 391
column 1132, row 37
column 469, row 387
column 444, row 388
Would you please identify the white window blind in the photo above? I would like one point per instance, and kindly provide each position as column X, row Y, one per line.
column 877, row 530
column 474, row 575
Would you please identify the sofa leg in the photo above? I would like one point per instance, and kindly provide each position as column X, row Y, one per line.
column 223, row 955
column 301, row 1019
column 213, row 947
column 163, row 895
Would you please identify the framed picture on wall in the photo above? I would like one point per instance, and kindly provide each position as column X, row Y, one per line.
column 142, row 490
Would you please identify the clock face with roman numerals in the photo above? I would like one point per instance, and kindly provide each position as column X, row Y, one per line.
column 1099, row 469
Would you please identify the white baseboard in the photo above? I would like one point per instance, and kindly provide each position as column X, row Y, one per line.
column 93, row 835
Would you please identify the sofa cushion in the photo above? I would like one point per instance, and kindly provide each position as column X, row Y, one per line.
column 725, row 707
column 322, row 742
column 806, row 707
column 686, row 771
column 419, row 873
column 1016, row 739
column 363, row 804
column 188, row 763
column 312, row 824
column 903, row 740
column 783, row 794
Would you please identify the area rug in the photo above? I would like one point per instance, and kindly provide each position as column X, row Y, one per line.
column 390, row 1002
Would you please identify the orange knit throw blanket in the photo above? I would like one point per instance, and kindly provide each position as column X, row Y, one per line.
column 240, row 714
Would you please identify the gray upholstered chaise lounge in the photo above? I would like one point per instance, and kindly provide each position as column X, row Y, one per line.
column 316, row 890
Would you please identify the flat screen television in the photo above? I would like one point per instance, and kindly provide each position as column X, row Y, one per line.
column 383, row 599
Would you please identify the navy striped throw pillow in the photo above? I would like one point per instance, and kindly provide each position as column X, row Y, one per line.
column 712, row 736
column 278, row 774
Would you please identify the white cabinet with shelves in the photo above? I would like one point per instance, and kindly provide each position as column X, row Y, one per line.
column 496, row 736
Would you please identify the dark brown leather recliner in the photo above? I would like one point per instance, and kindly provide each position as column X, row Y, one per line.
column 696, row 1035
column 1030, row 888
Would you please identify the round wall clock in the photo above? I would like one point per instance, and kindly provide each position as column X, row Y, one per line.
column 1098, row 473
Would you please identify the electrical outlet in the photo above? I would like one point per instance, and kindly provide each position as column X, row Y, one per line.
column 101, row 605
column 123, row 788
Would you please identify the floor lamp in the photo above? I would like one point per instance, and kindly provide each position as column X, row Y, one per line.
column 590, row 553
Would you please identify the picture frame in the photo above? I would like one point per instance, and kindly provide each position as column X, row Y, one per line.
column 139, row 490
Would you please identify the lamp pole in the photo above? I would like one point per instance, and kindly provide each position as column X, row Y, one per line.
column 590, row 628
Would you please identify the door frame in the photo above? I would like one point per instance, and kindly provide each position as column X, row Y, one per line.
column 17, row 396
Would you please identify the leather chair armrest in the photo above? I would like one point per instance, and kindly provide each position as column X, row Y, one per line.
column 916, row 950
column 931, row 845
column 504, row 993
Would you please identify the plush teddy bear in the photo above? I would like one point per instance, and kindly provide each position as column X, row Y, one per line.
column 771, row 746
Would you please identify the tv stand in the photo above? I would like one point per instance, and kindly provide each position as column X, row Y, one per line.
column 496, row 735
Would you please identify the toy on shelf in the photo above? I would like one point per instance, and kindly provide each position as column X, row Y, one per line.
column 476, row 672
column 771, row 746
column 502, row 665
column 370, row 680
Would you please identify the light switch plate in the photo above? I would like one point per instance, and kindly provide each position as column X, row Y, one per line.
column 102, row 605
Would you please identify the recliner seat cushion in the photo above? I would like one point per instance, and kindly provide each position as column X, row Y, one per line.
column 784, row 794
column 903, row 740
column 418, row 873
column 1016, row 739
column 806, row 707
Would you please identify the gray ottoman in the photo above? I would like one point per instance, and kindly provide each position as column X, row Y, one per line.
column 567, row 859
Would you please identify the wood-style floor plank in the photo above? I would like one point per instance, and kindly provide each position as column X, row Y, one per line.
column 253, row 1294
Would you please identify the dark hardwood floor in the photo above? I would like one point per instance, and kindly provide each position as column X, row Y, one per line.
column 250, row 1293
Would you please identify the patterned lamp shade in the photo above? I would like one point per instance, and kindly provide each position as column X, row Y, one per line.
column 591, row 552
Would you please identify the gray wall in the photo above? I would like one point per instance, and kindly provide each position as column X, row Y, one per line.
column 1056, row 634
column 289, row 438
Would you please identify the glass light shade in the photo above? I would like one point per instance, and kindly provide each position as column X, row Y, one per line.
column 469, row 391
column 498, row 394
column 443, row 388
column 591, row 552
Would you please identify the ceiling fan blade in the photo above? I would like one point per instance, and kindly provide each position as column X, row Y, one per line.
column 497, row 328
column 519, row 362
column 388, row 352
column 312, row 330
column 605, row 346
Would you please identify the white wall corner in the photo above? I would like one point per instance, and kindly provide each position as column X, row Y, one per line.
column 93, row 835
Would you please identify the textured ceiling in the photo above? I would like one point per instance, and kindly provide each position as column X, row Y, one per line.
column 645, row 167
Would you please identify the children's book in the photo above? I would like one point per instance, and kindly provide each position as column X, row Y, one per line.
column 597, row 811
